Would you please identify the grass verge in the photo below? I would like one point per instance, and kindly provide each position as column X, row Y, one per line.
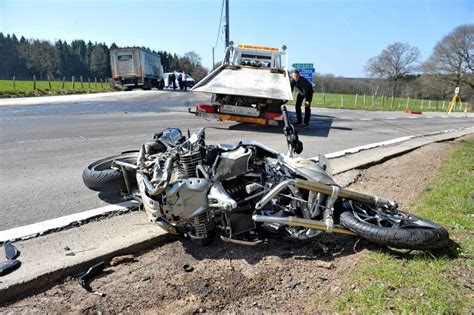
column 26, row 89
column 348, row 101
column 426, row 282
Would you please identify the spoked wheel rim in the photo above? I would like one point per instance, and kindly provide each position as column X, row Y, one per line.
column 387, row 218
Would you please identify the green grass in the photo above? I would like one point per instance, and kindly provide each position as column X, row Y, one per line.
column 349, row 101
column 422, row 282
column 25, row 88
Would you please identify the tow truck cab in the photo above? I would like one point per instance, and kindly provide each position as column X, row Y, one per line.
column 250, row 87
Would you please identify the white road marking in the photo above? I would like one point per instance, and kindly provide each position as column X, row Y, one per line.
column 367, row 147
column 39, row 228
column 366, row 119
column 337, row 154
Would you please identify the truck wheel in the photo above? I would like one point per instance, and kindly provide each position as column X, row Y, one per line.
column 146, row 85
column 161, row 84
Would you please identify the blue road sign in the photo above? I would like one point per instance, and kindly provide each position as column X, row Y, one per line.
column 306, row 72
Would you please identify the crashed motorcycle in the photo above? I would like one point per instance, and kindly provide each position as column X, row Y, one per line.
column 244, row 191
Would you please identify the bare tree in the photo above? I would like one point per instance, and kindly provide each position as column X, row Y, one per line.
column 193, row 57
column 394, row 63
column 453, row 57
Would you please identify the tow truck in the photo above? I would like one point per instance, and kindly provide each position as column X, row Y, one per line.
column 250, row 86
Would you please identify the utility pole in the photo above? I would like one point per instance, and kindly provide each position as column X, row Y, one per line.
column 213, row 62
column 227, row 40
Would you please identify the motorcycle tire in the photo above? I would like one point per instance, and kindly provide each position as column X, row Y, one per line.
column 415, row 233
column 100, row 176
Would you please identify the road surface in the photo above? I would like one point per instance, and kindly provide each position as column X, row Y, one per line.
column 46, row 142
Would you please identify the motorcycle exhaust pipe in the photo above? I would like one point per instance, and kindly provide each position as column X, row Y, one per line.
column 345, row 193
column 294, row 221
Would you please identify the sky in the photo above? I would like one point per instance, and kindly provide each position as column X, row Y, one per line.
column 337, row 36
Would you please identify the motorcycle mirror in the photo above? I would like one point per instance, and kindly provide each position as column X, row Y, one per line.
column 298, row 147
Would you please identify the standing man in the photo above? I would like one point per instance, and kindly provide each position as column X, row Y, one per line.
column 172, row 79
column 180, row 81
column 305, row 92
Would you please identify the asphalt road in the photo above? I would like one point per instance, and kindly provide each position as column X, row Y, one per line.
column 46, row 142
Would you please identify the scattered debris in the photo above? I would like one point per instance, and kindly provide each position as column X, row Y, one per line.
column 11, row 264
column 293, row 284
column 8, row 266
column 69, row 251
column 144, row 277
column 86, row 278
column 11, row 252
column 188, row 268
column 117, row 260
column 325, row 264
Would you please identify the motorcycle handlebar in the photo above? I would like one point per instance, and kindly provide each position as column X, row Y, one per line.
column 285, row 116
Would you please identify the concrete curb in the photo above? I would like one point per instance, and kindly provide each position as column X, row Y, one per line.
column 51, row 258
column 46, row 263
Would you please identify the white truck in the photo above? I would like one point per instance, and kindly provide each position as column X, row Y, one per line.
column 249, row 87
column 136, row 67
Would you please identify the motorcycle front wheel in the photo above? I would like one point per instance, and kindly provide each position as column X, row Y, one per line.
column 393, row 228
column 100, row 176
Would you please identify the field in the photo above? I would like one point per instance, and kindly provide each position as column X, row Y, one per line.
column 437, row 282
column 26, row 88
column 367, row 102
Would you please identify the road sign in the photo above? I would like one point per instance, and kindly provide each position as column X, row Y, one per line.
column 456, row 90
column 302, row 65
column 306, row 70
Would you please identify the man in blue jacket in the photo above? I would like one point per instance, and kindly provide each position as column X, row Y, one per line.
column 305, row 92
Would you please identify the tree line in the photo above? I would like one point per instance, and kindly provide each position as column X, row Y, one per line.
column 24, row 58
column 398, row 71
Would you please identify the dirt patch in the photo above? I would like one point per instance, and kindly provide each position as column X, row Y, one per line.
column 404, row 178
column 279, row 275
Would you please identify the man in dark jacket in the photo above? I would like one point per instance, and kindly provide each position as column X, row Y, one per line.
column 305, row 92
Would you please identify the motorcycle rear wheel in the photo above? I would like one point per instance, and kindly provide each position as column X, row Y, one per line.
column 100, row 176
column 393, row 228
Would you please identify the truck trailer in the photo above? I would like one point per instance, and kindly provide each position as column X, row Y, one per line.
column 136, row 67
column 250, row 86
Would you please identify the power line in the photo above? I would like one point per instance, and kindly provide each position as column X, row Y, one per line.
column 220, row 24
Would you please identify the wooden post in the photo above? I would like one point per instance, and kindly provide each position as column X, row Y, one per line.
column 14, row 84
column 49, row 82
column 73, row 83
column 34, row 82
column 62, row 85
column 82, row 83
column 89, row 81
column 355, row 101
column 364, row 100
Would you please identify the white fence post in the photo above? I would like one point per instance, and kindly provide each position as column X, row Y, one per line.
column 355, row 102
